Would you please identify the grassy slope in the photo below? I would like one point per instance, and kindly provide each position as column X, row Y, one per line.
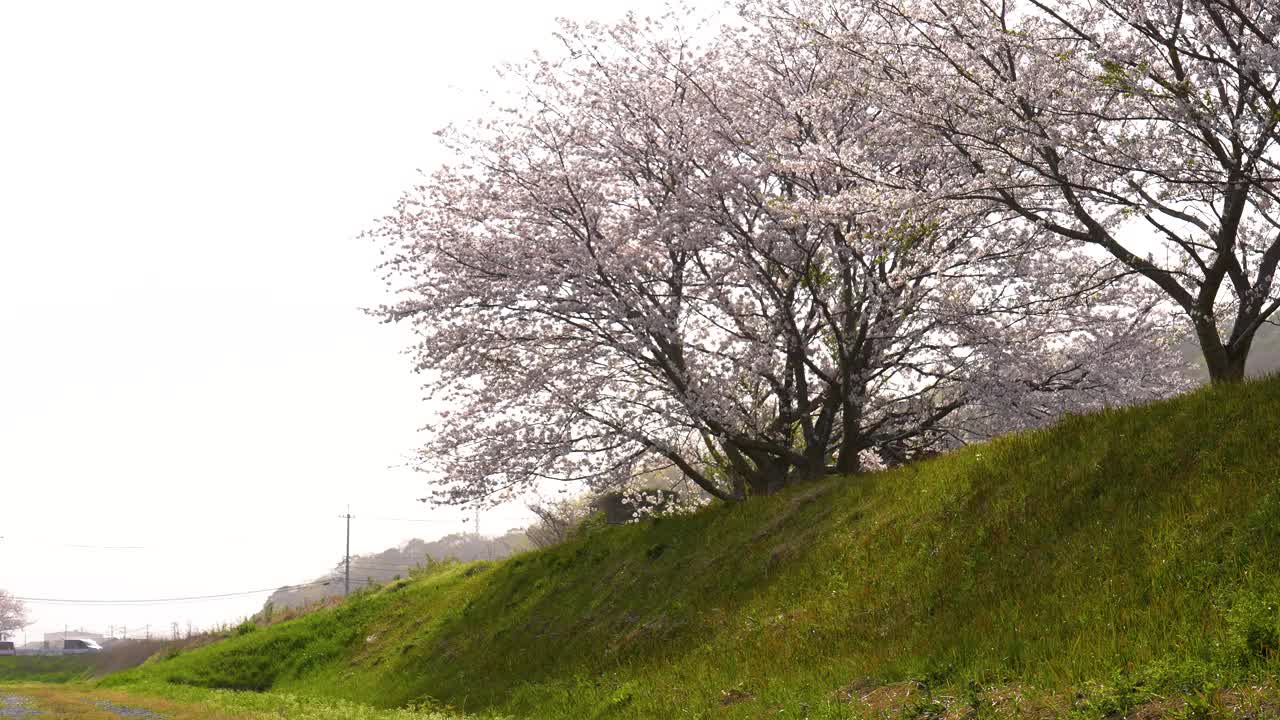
column 1141, row 542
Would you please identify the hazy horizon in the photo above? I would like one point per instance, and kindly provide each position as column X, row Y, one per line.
column 190, row 395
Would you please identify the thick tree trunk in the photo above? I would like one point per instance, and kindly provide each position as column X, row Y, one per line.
column 768, row 479
column 1226, row 362
column 1229, row 370
column 773, row 474
column 851, row 442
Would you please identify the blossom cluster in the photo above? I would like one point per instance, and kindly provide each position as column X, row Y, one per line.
column 801, row 244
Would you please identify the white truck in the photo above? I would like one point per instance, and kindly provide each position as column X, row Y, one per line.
column 80, row 647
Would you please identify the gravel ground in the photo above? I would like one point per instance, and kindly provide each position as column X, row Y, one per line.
column 125, row 711
column 14, row 706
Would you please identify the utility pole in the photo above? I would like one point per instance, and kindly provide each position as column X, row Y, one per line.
column 346, row 573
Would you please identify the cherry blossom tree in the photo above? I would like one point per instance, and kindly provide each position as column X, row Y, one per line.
column 13, row 615
column 674, row 254
column 1145, row 129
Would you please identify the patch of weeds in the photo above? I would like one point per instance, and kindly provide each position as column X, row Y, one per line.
column 620, row 698
column 975, row 699
column 929, row 707
column 1199, row 706
column 1253, row 628
column 592, row 525
column 1114, row 700
column 735, row 695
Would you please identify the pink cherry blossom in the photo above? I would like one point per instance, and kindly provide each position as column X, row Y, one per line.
column 735, row 258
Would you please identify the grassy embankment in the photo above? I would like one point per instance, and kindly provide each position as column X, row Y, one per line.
column 71, row 668
column 45, row 668
column 1116, row 559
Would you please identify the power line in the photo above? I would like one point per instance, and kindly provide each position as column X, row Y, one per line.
column 161, row 601
column 76, row 546
column 419, row 520
column 379, row 560
column 347, row 562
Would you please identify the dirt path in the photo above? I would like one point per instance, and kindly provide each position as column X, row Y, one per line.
column 16, row 706
column 66, row 702
column 85, row 702
column 125, row 711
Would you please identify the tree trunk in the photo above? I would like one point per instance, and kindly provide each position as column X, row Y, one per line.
column 772, row 474
column 851, row 441
column 1226, row 362
column 768, row 479
column 1230, row 369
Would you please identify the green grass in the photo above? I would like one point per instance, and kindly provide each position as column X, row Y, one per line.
column 44, row 668
column 1111, row 557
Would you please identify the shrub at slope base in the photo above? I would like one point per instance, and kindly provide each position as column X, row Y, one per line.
column 1142, row 540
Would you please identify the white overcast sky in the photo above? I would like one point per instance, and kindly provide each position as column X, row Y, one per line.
column 184, row 371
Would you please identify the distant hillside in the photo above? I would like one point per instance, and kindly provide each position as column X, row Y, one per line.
column 1122, row 564
column 394, row 563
